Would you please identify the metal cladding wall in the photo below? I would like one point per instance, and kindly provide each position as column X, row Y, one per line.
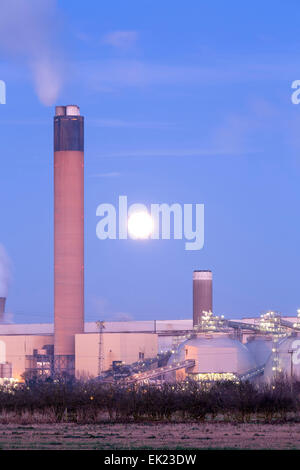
column 68, row 231
column 202, row 294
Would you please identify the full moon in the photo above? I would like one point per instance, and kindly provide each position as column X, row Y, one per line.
column 140, row 225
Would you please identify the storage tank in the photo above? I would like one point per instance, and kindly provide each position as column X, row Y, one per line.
column 260, row 348
column 214, row 354
column 287, row 359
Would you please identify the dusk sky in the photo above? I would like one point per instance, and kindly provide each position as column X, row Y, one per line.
column 184, row 102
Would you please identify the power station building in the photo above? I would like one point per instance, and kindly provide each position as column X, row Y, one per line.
column 24, row 351
column 205, row 347
column 230, row 350
column 67, row 346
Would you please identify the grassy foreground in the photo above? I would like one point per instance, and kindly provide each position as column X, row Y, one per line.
column 150, row 436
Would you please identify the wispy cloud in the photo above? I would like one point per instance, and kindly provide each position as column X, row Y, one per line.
column 24, row 122
column 121, row 39
column 101, row 308
column 105, row 123
column 83, row 36
column 113, row 174
column 109, row 75
column 176, row 152
column 119, row 123
column 235, row 134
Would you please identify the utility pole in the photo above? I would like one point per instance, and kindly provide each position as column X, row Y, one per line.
column 291, row 352
column 100, row 326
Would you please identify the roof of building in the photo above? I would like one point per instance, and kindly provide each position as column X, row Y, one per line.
column 91, row 327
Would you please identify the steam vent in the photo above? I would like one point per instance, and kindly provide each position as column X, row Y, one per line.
column 68, row 234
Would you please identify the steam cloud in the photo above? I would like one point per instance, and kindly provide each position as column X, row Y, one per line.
column 27, row 32
column 5, row 271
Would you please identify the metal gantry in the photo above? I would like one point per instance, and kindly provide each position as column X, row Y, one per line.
column 160, row 371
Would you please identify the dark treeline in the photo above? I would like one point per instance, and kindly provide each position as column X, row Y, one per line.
column 91, row 402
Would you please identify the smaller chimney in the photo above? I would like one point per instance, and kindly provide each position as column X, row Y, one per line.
column 2, row 307
column 202, row 294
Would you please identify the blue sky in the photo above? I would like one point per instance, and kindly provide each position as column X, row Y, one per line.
column 186, row 102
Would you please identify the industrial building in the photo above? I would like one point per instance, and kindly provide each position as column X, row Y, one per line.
column 205, row 347
column 219, row 349
column 33, row 353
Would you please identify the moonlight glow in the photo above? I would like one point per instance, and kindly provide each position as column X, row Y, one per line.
column 140, row 225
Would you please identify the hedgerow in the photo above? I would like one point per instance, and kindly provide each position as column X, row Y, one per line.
column 68, row 399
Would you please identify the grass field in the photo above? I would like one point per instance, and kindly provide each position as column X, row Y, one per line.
column 150, row 436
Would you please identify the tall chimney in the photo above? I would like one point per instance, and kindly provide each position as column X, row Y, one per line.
column 2, row 307
column 68, row 235
column 202, row 294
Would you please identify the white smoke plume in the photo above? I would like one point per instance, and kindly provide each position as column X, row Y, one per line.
column 5, row 271
column 28, row 30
